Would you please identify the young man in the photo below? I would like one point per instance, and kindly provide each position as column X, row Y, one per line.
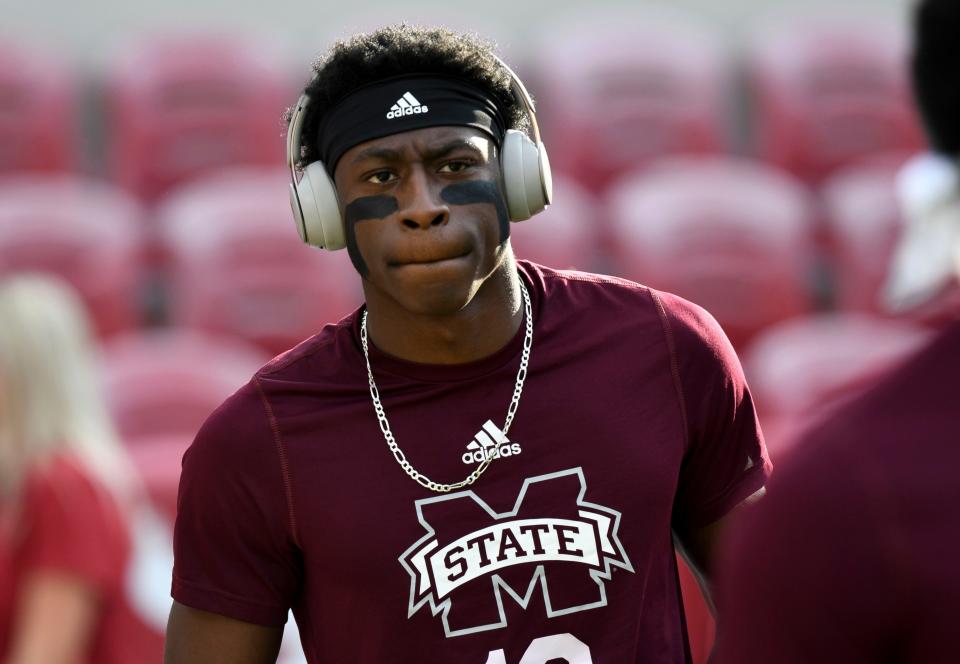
column 853, row 555
column 490, row 460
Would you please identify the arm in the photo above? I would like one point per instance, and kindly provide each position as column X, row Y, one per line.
column 195, row 637
column 725, row 462
column 699, row 547
column 56, row 614
column 237, row 568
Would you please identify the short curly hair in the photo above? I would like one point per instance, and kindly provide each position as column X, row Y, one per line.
column 397, row 50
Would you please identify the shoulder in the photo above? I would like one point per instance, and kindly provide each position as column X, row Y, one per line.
column 237, row 437
column 692, row 328
column 244, row 428
column 554, row 282
column 241, row 413
column 692, row 336
column 589, row 297
column 703, row 357
column 886, row 443
column 589, row 290
column 912, row 404
column 315, row 360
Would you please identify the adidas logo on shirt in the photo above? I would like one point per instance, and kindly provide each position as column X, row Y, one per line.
column 489, row 443
column 406, row 105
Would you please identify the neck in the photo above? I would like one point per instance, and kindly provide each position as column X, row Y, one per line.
column 485, row 325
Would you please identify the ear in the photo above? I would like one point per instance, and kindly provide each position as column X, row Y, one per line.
column 527, row 183
column 319, row 221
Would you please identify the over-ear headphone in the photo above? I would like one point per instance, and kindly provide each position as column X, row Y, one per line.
column 528, row 185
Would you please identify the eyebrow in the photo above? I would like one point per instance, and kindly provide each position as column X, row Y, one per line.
column 390, row 154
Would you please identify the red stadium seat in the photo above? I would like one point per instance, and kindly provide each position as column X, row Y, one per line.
column 566, row 235
column 863, row 226
column 830, row 88
column 168, row 381
column 621, row 90
column 729, row 234
column 37, row 111
column 81, row 230
column 238, row 267
column 799, row 368
column 185, row 106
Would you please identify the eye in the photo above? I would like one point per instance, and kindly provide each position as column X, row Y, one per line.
column 381, row 177
column 456, row 166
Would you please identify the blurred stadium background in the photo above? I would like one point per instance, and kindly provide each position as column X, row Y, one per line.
column 739, row 153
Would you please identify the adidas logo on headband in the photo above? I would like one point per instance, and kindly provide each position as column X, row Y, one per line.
column 406, row 105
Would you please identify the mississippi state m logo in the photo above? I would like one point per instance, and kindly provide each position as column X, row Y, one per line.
column 552, row 541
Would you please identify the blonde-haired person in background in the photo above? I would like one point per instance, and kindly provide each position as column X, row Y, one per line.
column 67, row 492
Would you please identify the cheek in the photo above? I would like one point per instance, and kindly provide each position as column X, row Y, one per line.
column 367, row 209
column 478, row 192
column 364, row 245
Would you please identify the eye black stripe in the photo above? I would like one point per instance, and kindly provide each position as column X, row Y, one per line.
column 366, row 207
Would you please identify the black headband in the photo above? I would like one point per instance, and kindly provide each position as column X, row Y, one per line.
column 404, row 103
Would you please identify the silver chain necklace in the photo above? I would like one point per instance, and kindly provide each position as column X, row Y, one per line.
column 398, row 454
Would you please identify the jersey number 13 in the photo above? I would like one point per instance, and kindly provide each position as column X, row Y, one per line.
column 547, row 648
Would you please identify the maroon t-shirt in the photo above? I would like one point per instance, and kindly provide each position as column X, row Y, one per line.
column 635, row 419
column 852, row 556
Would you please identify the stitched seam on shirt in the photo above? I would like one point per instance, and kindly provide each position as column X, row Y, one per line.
column 674, row 364
column 296, row 354
column 601, row 279
column 284, row 466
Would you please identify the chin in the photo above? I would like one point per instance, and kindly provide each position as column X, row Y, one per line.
column 435, row 289
column 438, row 299
column 438, row 289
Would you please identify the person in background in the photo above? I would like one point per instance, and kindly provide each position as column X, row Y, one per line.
column 67, row 491
column 852, row 556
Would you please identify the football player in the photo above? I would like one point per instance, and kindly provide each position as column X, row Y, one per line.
column 489, row 462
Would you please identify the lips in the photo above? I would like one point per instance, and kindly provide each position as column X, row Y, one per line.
column 428, row 257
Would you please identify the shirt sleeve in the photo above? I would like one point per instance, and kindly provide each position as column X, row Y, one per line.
column 73, row 526
column 807, row 576
column 235, row 549
column 725, row 460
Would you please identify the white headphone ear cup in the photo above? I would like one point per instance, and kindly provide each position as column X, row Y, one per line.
column 297, row 212
column 546, row 175
column 527, row 186
column 322, row 224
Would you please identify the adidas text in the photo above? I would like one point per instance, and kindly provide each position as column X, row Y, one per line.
column 406, row 105
column 477, row 456
column 489, row 443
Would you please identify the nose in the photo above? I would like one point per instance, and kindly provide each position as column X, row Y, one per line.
column 421, row 206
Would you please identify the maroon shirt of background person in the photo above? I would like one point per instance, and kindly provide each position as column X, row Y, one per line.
column 634, row 419
column 852, row 556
